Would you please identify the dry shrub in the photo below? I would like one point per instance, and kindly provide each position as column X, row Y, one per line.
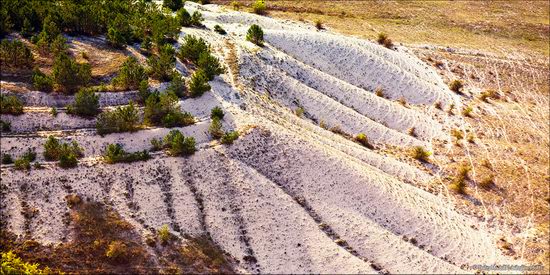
column 384, row 40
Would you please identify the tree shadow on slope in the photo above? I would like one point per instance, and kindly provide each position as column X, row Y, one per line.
column 103, row 242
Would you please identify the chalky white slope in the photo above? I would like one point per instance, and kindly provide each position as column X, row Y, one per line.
column 288, row 196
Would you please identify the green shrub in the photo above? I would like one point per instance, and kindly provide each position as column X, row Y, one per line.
column 259, row 7
column 117, row 251
column 384, row 40
column 174, row 5
column 164, row 234
column 30, row 155
column 217, row 112
column 53, row 111
column 299, row 111
column 163, row 109
column 215, row 128
column 156, row 144
column 183, row 17
column 456, row 86
column 131, row 74
column 58, row 45
column 179, row 145
column 210, row 65
column 229, row 137
column 22, row 164
column 14, row 53
column 7, row 159
column 53, row 149
column 362, row 138
column 114, row 153
column 143, row 91
column 5, row 126
column 219, row 29
column 191, row 48
column 119, row 32
column 146, row 45
column 11, row 264
column 11, row 105
column 122, row 119
column 199, row 83
column 177, row 85
column 68, row 75
column 255, row 35
column 421, row 154
column 196, row 19
column 68, row 160
column 86, row 104
column 41, row 81
column 161, row 66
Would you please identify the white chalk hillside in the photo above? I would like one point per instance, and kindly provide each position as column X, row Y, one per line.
column 288, row 196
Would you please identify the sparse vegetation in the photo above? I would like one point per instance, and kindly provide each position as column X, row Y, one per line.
column 457, row 133
column 384, row 40
column 299, row 111
column 191, row 48
column 255, row 35
column 174, row 5
column 164, row 234
column 456, row 86
column 259, row 7
column 467, row 111
column 379, row 91
column 117, row 251
column 156, row 144
column 86, row 104
column 162, row 109
column 217, row 112
column 122, row 119
column 198, row 84
column 11, row 105
column 488, row 94
column 459, row 183
column 488, row 182
column 319, row 24
column 229, row 137
column 5, row 126
column 215, row 128
column 363, row 140
column 7, row 159
column 420, row 153
column 179, row 145
column 210, row 65
column 66, row 153
column 412, row 132
column 115, row 153
column 219, row 29
column 22, row 164
column 53, row 111
column 236, row 5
